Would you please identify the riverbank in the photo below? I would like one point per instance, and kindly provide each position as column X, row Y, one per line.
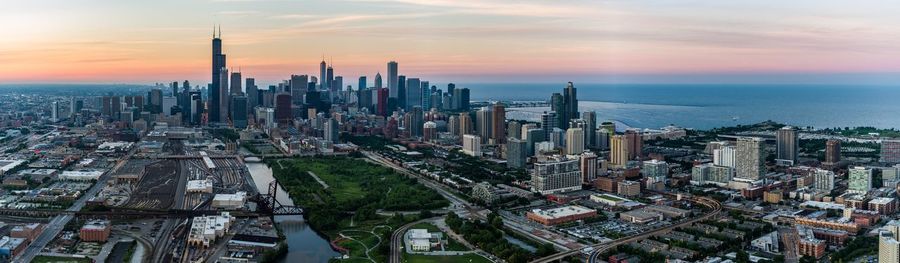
column 345, row 212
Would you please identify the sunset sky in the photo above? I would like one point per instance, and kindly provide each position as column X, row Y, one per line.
column 92, row 41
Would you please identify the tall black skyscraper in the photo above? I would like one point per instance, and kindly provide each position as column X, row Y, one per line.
column 218, row 63
column 571, row 103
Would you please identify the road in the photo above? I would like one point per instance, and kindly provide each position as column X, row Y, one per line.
column 59, row 222
column 397, row 240
column 600, row 248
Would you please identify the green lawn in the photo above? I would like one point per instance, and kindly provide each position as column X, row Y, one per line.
column 427, row 226
column 49, row 259
column 470, row 257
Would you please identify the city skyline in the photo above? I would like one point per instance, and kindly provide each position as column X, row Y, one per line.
column 460, row 41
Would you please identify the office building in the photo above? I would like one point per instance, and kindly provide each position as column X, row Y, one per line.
column 413, row 93
column 392, row 81
column 283, row 112
column 239, row 111
column 558, row 105
column 516, row 153
column 461, row 99
column 787, row 144
column 571, row 103
column 655, row 169
column 749, row 158
column 218, row 64
column 859, row 180
column 498, row 123
column 556, row 174
column 590, row 128
column 574, row 141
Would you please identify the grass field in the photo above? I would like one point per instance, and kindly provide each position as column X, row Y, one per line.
column 471, row 257
column 49, row 259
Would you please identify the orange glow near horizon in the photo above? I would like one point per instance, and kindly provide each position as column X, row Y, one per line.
column 109, row 42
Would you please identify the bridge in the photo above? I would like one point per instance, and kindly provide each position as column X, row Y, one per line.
column 269, row 205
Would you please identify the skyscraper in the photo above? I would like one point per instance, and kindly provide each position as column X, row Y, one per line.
column 498, row 123
column 224, row 96
column 239, row 111
column 571, row 102
column 401, row 92
column 283, row 111
column 514, row 130
column 548, row 122
column 253, row 98
column 465, row 124
column 331, row 130
column 329, row 82
column 618, row 153
column 516, row 153
column 483, row 123
column 558, row 105
column 378, row 82
column 590, row 129
column 323, row 79
column 787, row 143
column 724, row 156
column 890, row 151
column 236, row 83
column 588, row 165
column 299, row 85
column 635, row 144
column 832, row 152
column 361, row 85
column 574, row 141
column 393, row 81
column 218, row 63
column 461, row 99
column 748, row 159
column 413, row 93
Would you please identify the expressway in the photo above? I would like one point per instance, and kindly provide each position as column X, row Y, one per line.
column 600, row 248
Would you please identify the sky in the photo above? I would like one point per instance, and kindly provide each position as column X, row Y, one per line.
column 548, row 41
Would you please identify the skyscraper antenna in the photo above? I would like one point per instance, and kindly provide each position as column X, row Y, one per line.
column 214, row 30
column 220, row 31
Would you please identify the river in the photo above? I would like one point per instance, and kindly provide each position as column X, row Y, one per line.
column 304, row 245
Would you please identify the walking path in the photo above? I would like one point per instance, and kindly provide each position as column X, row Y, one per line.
column 314, row 176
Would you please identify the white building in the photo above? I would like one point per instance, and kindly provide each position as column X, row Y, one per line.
column 724, row 156
column 824, row 180
column 574, row 141
column 860, row 180
column 230, row 201
column 888, row 244
column 472, row 145
column 206, row 229
column 83, row 175
column 199, row 186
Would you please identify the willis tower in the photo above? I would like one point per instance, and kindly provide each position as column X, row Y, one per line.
column 218, row 63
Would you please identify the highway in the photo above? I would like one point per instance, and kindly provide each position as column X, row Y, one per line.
column 600, row 248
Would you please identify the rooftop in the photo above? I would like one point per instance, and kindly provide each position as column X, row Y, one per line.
column 562, row 211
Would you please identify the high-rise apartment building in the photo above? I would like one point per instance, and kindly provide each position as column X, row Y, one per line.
column 890, row 151
column 472, row 145
column 556, row 174
column 824, row 180
column 724, row 156
column 860, row 180
column 832, row 152
column 483, row 123
column 574, row 141
column 588, row 167
column 618, row 153
column 749, row 158
column 787, row 144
